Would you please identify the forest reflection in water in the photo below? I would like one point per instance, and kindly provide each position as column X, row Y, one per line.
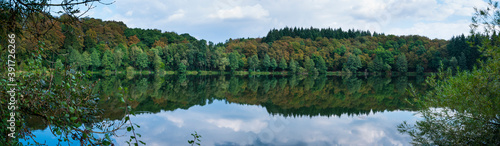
column 293, row 97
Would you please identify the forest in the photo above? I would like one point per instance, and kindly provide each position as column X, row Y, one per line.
column 110, row 46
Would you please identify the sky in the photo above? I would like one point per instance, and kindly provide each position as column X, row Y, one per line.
column 219, row 20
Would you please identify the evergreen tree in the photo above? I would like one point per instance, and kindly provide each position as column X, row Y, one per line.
column 86, row 60
column 234, row 61
column 253, row 62
column 282, row 64
column 402, row 64
column 453, row 63
column 95, row 59
column 420, row 69
column 308, row 64
column 320, row 63
column 293, row 66
column 266, row 63
column 273, row 64
column 462, row 62
column 158, row 63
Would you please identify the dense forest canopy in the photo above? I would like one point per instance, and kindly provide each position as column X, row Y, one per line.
column 93, row 44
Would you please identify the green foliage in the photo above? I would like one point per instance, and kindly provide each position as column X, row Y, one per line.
column 108, row 60
column 196, row 139
column 273, row 64
column 462, row 62
column 58, row 66
column 376, row 65
column 308, row 64
column 86, row 60
column 420, row 69
column 463, row 109
column 75, row 58
column 158, row 63
column 282, row 64
column 453, row 63
column 402, row 64
column 353, row 63
column 234, row 61
column 253, row 62
column 95, row 58
column 320, row 64
column 266, row 63
column 223, row 62
column 293, row 66
column 142, row 61
column 181, row 68
column 118, row 59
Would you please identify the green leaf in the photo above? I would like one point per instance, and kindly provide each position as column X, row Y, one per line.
column 73, row 118
column 129, row 129
column 122, row 100
column 71, row 109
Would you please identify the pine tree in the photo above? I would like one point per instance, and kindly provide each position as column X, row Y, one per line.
column 273, row 64
column 453, row 63
column 282, row 64
column 462, row 61
column 293, row 66
column 266, row 63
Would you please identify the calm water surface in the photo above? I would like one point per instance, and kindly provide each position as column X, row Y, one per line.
column 262, row 110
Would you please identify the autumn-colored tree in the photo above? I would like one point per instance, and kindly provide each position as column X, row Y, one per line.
column 159, row 43
column 133, row 40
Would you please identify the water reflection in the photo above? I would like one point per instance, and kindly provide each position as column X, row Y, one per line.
column 261, row 110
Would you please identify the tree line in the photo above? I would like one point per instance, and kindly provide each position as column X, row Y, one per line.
column 93, row 44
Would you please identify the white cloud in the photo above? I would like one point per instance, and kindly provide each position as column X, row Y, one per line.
column 434, row 30
column 238, row 12
column 236, row 124
column 223, row 19
column 179, row 14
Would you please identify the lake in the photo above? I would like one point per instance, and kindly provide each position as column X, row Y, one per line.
column 260, row 110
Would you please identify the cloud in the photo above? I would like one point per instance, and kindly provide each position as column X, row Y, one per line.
column 223, row 19
column 255, row 12
column 434, row 30
column 236, row 125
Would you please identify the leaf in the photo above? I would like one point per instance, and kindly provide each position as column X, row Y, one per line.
column 71, row 109
column 129, row 129
column 122, row 100
column 73, row 118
